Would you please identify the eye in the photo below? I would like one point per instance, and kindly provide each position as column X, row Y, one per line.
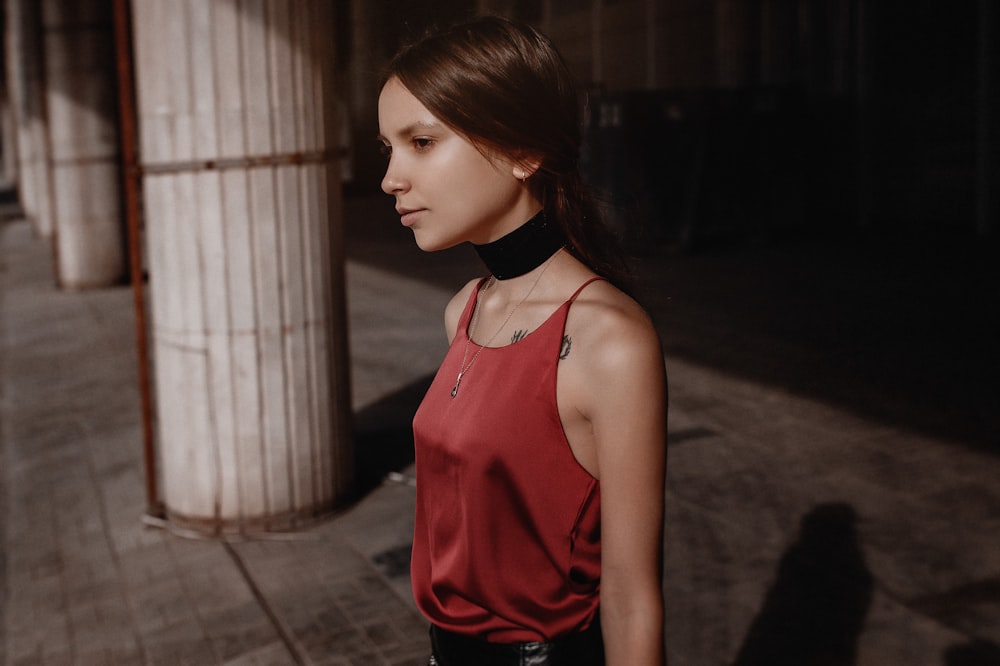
column 384, row 149
column 422, row 143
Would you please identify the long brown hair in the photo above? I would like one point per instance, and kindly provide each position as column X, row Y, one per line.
column 504, row 86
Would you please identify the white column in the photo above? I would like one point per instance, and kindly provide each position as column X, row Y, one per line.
column 83, row 142
column 24, row 85
column 8, row 143
column 242, row 212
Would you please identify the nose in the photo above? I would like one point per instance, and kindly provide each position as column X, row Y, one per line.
column 393, row 182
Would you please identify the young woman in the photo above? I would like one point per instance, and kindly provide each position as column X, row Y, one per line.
column 540, row 445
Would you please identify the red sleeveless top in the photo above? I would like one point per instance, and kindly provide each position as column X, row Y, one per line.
column 506, row 542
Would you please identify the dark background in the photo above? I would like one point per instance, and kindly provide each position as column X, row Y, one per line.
column 809, row 188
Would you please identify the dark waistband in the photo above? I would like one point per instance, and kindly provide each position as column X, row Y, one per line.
column 585, row 648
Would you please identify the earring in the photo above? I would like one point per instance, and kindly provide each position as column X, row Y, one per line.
column 520, row 174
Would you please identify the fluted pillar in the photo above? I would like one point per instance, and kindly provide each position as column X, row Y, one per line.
column 83, row 141
column 23, row 51
column 244, row 237
column 8, row 143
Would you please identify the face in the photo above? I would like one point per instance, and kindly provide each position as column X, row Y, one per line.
column 446, row 190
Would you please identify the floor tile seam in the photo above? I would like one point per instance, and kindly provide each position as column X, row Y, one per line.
column 107, row 537
column 62, row 577
column 285, row 633
column 892, row 567
column 4, row 504
column 734, row 524
column 387, row 584
column 877, row 558
column 63, row 583
column 860, row 436
column 729, row 386
column 908, row 606
column 147, row 632
column 919, row 507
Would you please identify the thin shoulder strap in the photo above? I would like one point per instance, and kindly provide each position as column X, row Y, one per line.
column 470, row 305
column 584, row 286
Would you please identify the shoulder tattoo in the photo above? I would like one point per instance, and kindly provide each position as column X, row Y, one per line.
column 518, row 335
column 567, row 344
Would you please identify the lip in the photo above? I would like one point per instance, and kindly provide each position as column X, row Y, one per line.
column 408, row 215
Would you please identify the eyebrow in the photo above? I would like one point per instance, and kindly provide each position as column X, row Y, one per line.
column 414, row 128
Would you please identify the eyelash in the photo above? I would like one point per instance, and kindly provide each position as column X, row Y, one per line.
column 420, row 144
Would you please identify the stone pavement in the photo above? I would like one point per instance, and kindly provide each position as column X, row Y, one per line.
column 87, row 581
column 799, row 531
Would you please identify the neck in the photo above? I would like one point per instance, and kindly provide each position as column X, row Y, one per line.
column 522, row 250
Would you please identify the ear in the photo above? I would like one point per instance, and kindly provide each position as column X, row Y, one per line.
column 525, row 168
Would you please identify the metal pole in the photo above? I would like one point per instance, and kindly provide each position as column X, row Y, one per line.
column 131, row 176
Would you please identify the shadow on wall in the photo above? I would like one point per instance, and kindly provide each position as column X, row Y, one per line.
column 816, row 608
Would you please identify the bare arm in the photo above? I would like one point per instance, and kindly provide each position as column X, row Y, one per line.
column 626, row 407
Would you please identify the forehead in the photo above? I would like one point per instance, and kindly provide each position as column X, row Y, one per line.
column 399, row 110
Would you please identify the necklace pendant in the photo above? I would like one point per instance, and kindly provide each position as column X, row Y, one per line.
column 458, row 380
column 454, row 391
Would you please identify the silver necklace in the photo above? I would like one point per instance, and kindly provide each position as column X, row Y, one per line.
column 475, row 318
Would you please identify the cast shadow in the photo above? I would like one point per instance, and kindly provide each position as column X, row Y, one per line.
column 816, row 608
column 383, row 435
column 976, row 652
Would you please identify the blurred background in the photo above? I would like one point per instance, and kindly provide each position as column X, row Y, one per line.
column 812, row 184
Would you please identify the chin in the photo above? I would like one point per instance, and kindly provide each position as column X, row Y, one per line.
column 429, row 243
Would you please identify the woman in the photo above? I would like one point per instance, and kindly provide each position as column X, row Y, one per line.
column 540, row 445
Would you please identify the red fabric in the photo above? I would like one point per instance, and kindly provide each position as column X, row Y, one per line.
column 506, row 542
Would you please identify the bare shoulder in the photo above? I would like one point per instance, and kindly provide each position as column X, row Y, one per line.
column 613, row 386
column 612, row 356
column 613, row 328
column 453, row 311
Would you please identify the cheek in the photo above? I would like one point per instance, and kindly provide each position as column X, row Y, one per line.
column 478, row 177
column 465, row 162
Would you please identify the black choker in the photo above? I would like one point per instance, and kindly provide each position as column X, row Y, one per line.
column 522, row 250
